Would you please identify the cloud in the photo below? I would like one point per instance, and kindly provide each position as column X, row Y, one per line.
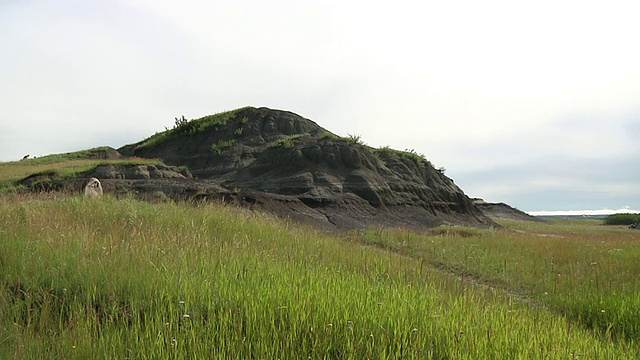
column 557, row 183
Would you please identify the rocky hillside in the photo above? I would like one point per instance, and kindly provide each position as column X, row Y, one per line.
column 504, row 211
column 281, row 162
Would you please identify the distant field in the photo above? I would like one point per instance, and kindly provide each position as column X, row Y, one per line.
column 119, row 278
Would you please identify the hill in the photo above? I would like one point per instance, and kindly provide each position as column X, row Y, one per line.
column 503, row 211
column 283, row 163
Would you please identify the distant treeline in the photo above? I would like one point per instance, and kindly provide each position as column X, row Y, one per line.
column 622, row 219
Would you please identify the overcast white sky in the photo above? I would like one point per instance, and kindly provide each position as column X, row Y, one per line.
column 536, row 104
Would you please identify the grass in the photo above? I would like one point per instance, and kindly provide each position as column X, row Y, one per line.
column 221, row 145
column 409, row 155
column 329, row 135
column 581, row 270
column 109, row 278
column 191, row 127
column 58, row 166
column 287, row 141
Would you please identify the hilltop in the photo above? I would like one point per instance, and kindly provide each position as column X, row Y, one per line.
column 283, row 163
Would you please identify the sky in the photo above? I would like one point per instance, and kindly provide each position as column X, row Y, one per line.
column 535, row 104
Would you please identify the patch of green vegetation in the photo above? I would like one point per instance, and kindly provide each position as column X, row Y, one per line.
column 128, row 279
column 62, row 157
column 407, row 155
column 287, row 142
column 59, row 166
column 184, row 127
column 622, row 219
column 329, row 135
column 355, row 139
column 238, row 132
column 183, row 168
column 221, row 145
column 7, row 187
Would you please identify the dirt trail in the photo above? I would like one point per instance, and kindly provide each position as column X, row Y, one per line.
column 470, row 279
column 539, row 234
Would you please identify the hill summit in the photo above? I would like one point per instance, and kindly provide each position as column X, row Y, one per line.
column 281, row 162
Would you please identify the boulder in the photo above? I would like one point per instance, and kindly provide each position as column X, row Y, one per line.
column 93, row 188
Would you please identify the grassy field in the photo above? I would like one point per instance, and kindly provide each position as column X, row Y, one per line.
column 120, row 278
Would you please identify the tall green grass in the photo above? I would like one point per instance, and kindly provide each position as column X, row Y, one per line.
column 109, row 278
column 580, row 269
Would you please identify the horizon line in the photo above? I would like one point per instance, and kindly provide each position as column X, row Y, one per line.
column 582, row 212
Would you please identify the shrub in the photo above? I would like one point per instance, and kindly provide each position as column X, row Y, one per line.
column 221, row 145
column 355, row 139
column 407, row 155
column 329, row 135
column 286, row 142
column 622, row 219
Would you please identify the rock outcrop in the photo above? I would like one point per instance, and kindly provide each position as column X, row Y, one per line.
column 138, row 172
column 503, row 211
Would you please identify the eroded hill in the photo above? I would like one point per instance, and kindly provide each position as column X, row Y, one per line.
column 270, row 160
column 284, row 163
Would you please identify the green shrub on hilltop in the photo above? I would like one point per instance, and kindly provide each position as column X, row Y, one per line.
column 355, row 139
column 408, row 154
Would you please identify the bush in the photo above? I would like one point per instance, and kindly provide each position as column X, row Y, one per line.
column 329, row 135
column 221, row 145
column 286, row 142
column 408, row 155
column 622, row 219
column 355, row 139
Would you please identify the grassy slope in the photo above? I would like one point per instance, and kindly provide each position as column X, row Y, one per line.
column 121, row 278
column 62, row 166
column 188, row 127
